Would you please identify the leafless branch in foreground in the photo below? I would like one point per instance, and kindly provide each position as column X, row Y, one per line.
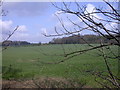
column 9, row 36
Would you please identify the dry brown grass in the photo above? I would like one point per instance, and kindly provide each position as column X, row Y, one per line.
column 42, row 83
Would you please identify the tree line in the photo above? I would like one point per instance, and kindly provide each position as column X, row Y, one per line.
column 73, row 39
column 82, row 39
column 14, row 43
column 18, row 43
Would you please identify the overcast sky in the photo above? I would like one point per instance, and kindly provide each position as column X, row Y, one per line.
column 36, row 18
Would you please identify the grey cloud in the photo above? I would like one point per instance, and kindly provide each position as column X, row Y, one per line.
column 26, row 8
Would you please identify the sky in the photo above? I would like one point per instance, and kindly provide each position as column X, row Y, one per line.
column 37, row 18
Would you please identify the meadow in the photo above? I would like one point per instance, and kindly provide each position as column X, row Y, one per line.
column 26, row 62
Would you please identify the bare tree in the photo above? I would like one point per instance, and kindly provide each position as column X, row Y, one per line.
column 97, row 26
column 4, row 13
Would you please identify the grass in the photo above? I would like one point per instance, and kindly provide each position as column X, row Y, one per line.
column 25, row 62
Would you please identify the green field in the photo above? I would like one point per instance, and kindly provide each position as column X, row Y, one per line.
column 25, row 62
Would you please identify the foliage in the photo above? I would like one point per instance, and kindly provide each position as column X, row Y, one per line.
column 81, row 39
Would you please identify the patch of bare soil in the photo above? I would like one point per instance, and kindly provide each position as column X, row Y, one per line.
column 42, row 83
